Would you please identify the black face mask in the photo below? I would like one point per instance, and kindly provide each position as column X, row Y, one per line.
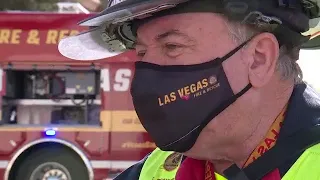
column 174, row 103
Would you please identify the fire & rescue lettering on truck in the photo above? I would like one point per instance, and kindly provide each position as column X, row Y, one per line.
column 61, row 118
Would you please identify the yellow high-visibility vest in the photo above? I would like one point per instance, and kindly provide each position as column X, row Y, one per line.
column 164, row 165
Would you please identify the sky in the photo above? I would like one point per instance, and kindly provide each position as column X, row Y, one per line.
column 309, row 62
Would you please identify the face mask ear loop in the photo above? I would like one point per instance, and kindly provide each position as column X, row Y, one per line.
column 227, row 103
column 227, row 56
column 231, row 53
column 244, row 90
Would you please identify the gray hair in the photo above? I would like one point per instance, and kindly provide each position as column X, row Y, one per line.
column 286, row 66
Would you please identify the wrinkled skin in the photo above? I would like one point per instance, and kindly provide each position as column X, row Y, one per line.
column 194, row 38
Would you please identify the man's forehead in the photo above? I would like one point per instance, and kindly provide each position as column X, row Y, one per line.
column 171, row 32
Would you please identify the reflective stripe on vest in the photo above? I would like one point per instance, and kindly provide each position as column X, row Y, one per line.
column 159, row 166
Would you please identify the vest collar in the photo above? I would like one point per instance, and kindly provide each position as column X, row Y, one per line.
column 303, row 111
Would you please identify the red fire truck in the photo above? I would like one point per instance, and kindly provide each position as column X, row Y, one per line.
column 63, row 119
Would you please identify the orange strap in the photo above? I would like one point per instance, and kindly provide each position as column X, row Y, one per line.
column 270, row 139
column 267, row 143
column 209, row 171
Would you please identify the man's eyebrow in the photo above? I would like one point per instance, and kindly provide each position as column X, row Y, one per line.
column 172, row 32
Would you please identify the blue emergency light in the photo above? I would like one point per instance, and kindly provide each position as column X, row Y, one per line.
column 50, row 132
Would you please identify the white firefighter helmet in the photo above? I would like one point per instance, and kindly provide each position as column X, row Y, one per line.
column 113, row 30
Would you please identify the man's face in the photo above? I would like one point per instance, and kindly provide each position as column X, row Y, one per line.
column 191, row 38
column 194, row 38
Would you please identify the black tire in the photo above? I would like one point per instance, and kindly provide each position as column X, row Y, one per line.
column 54, row 155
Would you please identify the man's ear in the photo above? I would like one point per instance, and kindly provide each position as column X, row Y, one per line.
column 265, row 52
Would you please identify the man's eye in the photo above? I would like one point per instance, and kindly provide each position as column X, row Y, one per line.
column 172, row 46
column 173, row 50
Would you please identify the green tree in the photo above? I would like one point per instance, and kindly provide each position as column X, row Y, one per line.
column 29, row 5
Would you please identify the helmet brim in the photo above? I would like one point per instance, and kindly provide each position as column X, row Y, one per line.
column 89, row 45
